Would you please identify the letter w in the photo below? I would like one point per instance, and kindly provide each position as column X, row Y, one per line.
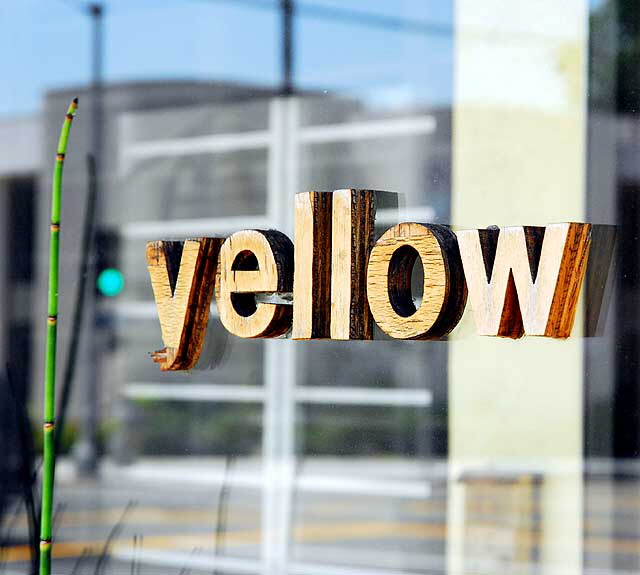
column 525, row 279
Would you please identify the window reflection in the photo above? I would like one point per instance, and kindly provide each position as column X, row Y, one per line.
column 471, row 455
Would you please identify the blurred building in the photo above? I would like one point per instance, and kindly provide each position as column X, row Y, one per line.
column 185, row 159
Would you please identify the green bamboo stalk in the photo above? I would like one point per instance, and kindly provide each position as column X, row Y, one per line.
column 48, row 466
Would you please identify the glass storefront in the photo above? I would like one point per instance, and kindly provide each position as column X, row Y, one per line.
column 467, row 455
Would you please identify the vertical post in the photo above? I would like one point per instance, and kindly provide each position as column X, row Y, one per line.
column 96, row 11
column 278, row 449
column 287, row 46
column 88, row 449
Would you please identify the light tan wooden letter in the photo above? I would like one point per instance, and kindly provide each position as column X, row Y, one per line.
column 352, row 238
column 389, row 281
column 334, row 236
column 525, row 279
column 312, row 275
column 182, row 277
column 254, row 261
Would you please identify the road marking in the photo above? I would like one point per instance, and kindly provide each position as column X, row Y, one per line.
column 306, row 534
column 155, row 515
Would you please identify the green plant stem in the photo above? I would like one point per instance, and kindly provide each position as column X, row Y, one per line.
column 48, row 448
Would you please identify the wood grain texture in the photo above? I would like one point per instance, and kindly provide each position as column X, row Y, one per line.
column 389, row 281
column 312, row 275
column 525, row 279
column 182, row 278
column 352, row 238
column 254, row 261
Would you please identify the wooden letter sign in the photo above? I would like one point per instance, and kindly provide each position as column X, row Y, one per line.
column 182, row 275
column 312, row 275
column 253, row 262
column 525, row 279
column 389, row 282
column 334, row 236
column 520, row 280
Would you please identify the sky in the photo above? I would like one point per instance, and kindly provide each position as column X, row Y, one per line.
column 45, row 44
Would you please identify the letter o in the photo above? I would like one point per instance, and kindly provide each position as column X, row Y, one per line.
column 389, row 281
column 254, row 261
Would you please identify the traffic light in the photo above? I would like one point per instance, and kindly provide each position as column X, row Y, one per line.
column 109, row 277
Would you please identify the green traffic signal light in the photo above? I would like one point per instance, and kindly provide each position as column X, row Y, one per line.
column 110, row 282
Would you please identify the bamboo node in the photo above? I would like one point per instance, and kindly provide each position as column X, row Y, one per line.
column 45, row 544
column 48, row 426
column 55, row 227
column 52, row 319
column 60, row 157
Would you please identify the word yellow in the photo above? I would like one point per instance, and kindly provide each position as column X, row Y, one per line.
column 519, row 279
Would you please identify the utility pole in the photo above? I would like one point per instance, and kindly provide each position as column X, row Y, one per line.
column 88, row 447
column 287, row 47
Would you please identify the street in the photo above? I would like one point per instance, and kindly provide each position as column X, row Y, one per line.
column 143, row 522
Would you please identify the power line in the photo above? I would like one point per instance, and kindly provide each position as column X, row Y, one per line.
column 371, row 19
column 131, row 6
column 322, row 12
column 357, row 17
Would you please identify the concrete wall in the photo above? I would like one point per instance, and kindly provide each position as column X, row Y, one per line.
column 519, row 133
